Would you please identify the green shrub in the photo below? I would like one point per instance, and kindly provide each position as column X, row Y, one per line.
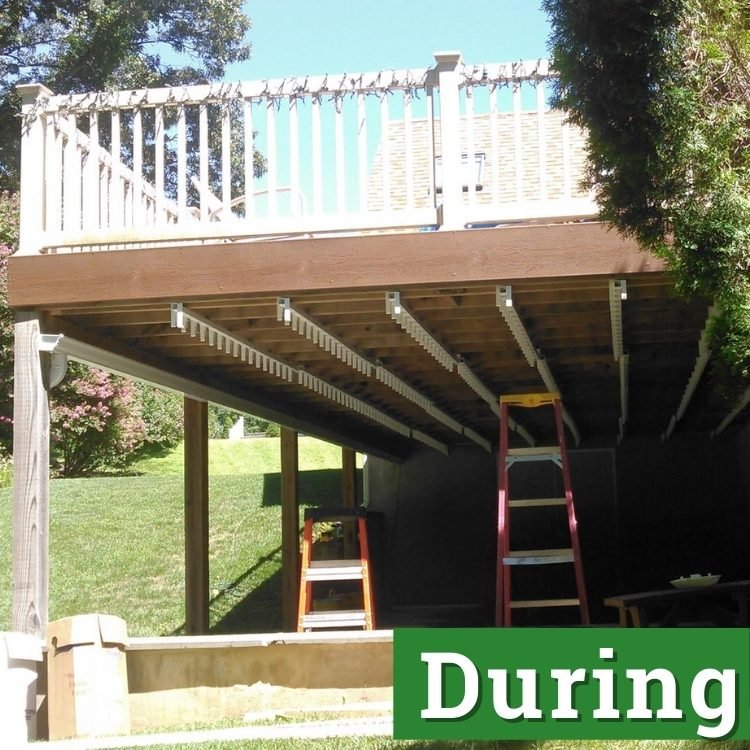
column 220, row 421
column 162, row 415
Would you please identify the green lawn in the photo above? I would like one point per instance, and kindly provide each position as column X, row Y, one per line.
column 381, row 743
column 116, row 543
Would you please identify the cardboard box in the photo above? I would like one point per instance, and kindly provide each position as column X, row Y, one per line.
column 20, row 656
column 87, row 693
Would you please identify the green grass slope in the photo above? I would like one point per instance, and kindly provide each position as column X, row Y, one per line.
column 117, row 543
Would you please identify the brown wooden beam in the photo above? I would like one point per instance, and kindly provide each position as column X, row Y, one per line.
column 196, row 517
column 289, row 530
column 452, row 258
column 349, row 497
column 348, row 478
column 30, row 483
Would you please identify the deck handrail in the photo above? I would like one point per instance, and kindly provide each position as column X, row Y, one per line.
column 358, row 152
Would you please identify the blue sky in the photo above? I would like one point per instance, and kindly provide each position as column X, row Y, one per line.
column 313, row 37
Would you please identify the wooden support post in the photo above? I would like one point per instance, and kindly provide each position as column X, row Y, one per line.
column 349, row 498
column 30, row 482
column 451, row 209
column 33, row 169
column 289, row 530
column 196, row 516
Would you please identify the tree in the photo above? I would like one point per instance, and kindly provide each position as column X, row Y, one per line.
column 663, row 89
column 74, row 46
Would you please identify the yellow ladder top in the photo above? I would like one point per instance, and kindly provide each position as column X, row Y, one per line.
column 529, row 400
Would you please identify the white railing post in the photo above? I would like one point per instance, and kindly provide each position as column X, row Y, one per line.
column 33, row 130
column 450, row 215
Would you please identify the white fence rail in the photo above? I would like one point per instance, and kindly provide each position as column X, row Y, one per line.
column 445, row 147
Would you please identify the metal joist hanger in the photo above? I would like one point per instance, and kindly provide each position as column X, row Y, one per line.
column 504, row 300
column 618, row 293
column 401, row 315
column 704, row 354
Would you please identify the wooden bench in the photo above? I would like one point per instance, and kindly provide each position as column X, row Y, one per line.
column 702, row 603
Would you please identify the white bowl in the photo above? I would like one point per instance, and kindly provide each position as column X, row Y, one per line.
column 695, row 581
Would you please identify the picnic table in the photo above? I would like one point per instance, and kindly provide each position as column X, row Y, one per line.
column 723, row 604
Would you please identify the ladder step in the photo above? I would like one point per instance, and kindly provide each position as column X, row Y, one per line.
column 537, row 453
column 334, row 514
column 334, row 570
column 529, row 400
column 343, row 618
column 542, row 502
column 539, row 557
column 538, row 603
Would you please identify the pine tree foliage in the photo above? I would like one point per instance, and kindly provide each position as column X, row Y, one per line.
column 663, row 88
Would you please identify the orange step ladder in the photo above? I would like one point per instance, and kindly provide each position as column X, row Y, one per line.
column 507, row 558
column 330, row 571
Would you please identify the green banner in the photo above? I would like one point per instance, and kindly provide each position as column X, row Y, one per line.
column 587, row 683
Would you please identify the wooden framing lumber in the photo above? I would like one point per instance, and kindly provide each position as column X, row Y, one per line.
column 349, row 497
column 289, row 530
column 30, row 483
column 481, row 255
column 196, row 517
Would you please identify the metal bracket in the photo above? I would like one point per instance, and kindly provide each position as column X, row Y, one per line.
column 54, row 363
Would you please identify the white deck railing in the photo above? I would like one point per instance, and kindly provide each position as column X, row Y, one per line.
column 446, row 147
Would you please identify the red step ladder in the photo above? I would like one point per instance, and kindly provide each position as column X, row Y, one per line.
column 331, row 571
column 507, row 558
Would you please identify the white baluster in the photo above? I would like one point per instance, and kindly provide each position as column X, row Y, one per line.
column 408, row 149
column 494, row 149
column 161, row 217
column 249, row 146
column 518, row 139
column 91, row 176
column 226, row 160
column 71, row 178
column 317, row 156
column 54, row 163
column 116, row 195
column 470, row 169
column 542, row 139
column 273, row 168
column 139, row 207
column 182, row 165
column 339, row 134
column 205, row 183
column 362, row 167
column 294, row 156
column 385, row 141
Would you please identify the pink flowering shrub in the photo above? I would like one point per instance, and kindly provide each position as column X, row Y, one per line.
column 95, row 422
column 8, row 240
